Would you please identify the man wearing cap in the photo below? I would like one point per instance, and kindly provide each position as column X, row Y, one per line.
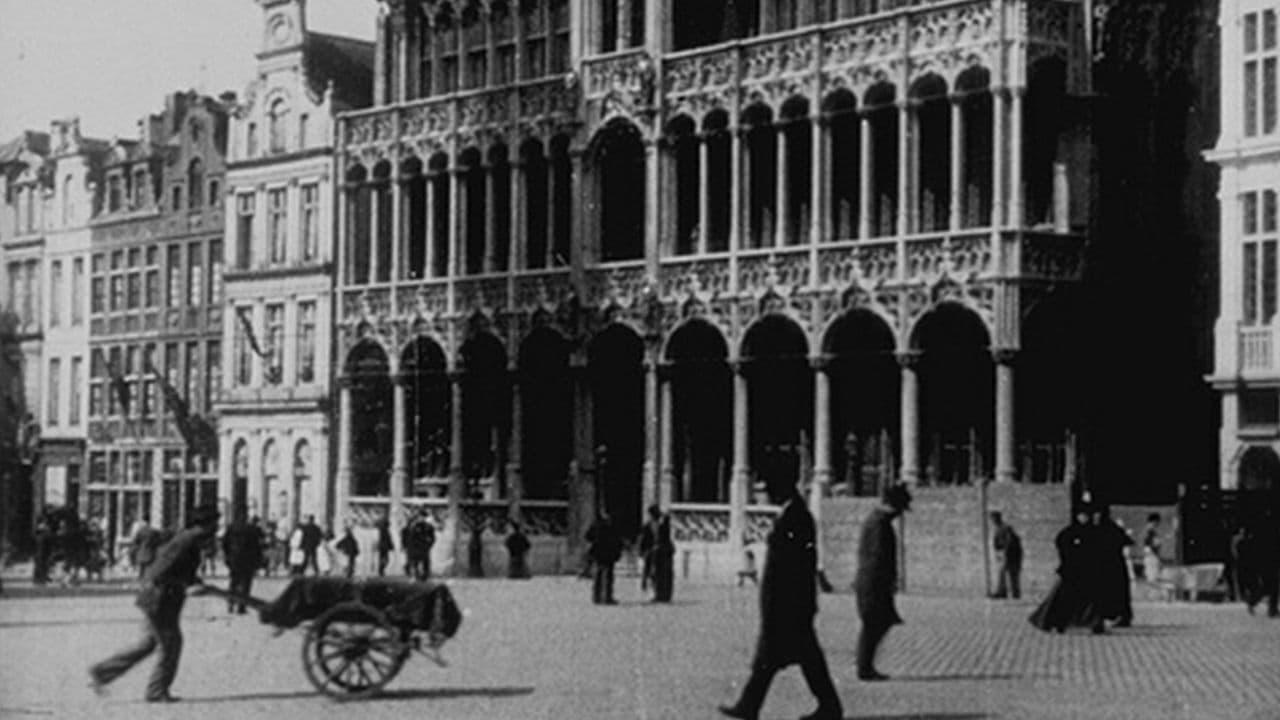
column 163, row 593
column 877, row 577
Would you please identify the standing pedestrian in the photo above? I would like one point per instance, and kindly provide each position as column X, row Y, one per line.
column 517, row 551
column 44, row 549
column 659, row 553
column 1115, row 601
column 605, row 547
column 384, row 546
column 876, row 580
column 416, row 540
column 1073, row 600
column 1008, row 547
column 297, row 556
column 242, row 552
column 163, row 593
column 348, row 546
column 312, row 537
column 788, row 606
column 1151, row 549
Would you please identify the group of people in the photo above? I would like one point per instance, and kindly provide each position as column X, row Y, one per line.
column 1093, row 575
column 64, row 539
column 657, row 550
column 789, row 601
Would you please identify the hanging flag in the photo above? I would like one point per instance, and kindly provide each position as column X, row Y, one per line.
column 196, row 431
column 247, row 324
column 118, row 384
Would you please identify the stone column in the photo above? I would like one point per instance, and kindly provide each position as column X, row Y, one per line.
column 910, row 466
column 1016, row 191
column 515, row 450
column 740, row 485
column 490, row 219
column 956, row 206
column 997, row 157
column 1006, row 467
column 342, row 484
column 667, row 430
column 429, row 204
column 452, row 531
column 735, row 190
column 821, row 480
column 461, row 222
column 399, row 26
column 904, row 167
column 818, row 183
column 399, row 471
column 866, row 176
column 516, row 249
column 746, row 164
column 380, row 70
column 782, row 197
column 654, row 209
column 552, row 190
column 704, row 193
column 650, row 493
column 398, row 233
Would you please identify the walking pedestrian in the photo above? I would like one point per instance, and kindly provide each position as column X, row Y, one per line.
column 1115, row 601
column 163, row 593
column 876, row 580
column 383, row 547
column 788, row 606
column 1073, row 601
column 1008, row 547
column 517, row 551
column 659, row 553
column 312, row 537
column 605, row 547
column 242, row 552
column 1151, row 564
column 348, row 546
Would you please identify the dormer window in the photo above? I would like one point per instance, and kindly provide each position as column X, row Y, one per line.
column 115, row 192
column 139, row 188
column 195, row 181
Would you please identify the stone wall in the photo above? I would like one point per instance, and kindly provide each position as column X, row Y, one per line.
column 945, row 536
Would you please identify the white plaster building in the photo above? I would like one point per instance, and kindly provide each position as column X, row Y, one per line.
column 274, row 410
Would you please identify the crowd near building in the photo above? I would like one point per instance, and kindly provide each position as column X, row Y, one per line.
column 538, row 260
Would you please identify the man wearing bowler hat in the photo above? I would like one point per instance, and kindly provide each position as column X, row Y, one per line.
column 163, row 593
column 877, row 577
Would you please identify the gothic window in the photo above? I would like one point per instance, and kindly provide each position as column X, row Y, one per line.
column 277, row 116
column 559, row 60
column 195, row 183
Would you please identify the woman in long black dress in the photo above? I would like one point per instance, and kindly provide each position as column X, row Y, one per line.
column 1073, row 601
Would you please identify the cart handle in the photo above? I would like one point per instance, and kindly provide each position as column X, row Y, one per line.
column 255, row 603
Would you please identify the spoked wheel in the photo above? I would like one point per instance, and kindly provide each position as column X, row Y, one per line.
column 351, row 651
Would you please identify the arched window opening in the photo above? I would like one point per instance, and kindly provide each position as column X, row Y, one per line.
column 1046, row 108
column 371, row 415
column 359, row 230
column 761, row 175
column 608, row 20
column 275, row 494
column 865, row 403
column 684, row 151
column 485, row 410
column 1259, row 469
column 619, row 158
column 438, row 180
column 933, row 156
column 195, row 184
column 302, row 474
column 715, row 129
column 427, row 419
column 780, row 399
column 843, row 170
column 797, row 134
column 382, row 231
column 976, row 112
column 882, row 116
column 1050, row 371
column 614, row 364
column 702, row 412
column 277, row 123
column 500, row 209
column 414, row 220
column 956, row 396
column 562, row 200
column 546, row 396
column 535, row 204
column 473, row 207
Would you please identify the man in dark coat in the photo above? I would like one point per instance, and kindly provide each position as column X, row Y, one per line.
column 1267, row 561
column 1115, row 601
column 416, row 540
column 517, row 551
column 242, row 551
column 876, row 580
column 163, row 593
column 312, row 536
column 384, row 546
column 350, row 549
column 659, row 553
column 1073, row 601
column 1008, row 547
column 788, row 606
column 605, row 549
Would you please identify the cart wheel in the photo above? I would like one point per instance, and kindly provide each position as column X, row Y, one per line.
column 351, row 651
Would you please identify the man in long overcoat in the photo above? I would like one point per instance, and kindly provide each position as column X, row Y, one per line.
column 604, row 547
column 242, row 551
column 788, row 605
column 163, row 593
column 659, row 553
column 877, row 577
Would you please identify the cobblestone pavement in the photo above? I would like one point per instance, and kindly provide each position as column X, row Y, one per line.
column 539, row 649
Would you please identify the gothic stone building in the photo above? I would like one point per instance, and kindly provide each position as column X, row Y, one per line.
column 601, row 254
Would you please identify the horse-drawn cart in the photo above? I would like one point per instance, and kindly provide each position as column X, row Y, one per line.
column 360, row 633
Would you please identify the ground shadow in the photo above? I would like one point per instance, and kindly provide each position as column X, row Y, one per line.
column 958, row 677
column 923, row 716
column 398, row 694
column 1151, row 630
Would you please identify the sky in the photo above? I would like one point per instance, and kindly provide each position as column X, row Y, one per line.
column 113, row 61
